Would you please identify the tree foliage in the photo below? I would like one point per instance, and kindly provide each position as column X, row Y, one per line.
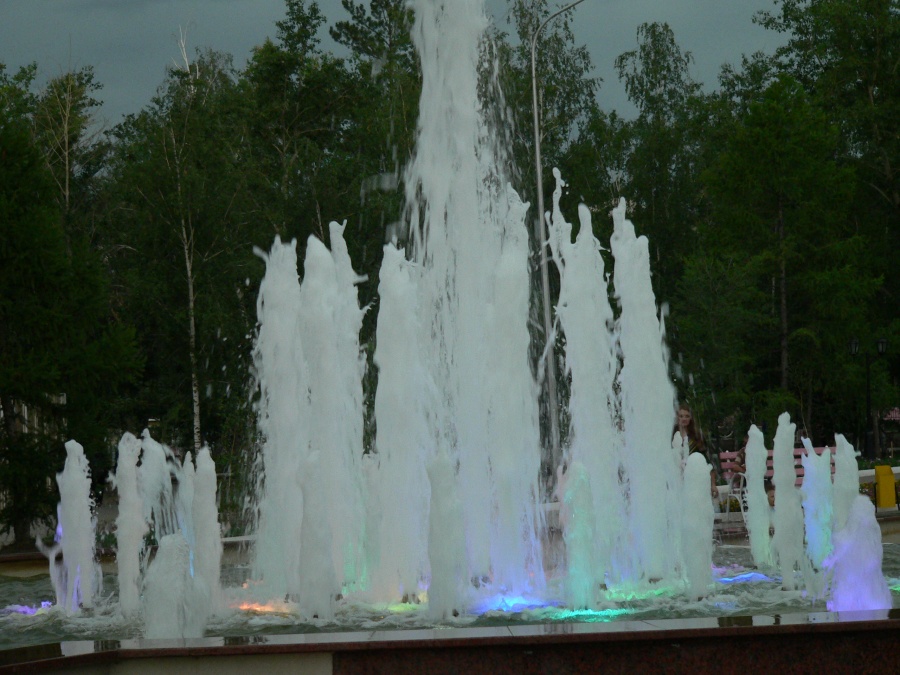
column 63, row 357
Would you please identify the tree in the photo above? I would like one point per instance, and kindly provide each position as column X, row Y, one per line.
column 62, row 358
column 846, row 54
column 664, row 154
column 781, row 202
column 566, row 90
column 63, row 120
column 380, row 133
column 183, row 231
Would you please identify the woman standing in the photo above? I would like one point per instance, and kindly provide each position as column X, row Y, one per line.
column 691, row 438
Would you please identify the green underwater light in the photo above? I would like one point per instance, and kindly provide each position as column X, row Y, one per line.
column 632, row 594
column 587, row 615
column 402, row 607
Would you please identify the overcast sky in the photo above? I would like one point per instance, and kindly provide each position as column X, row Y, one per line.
column 130, row 42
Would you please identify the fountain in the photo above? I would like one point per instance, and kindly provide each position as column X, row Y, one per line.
column 445, row 521
column 73, row 569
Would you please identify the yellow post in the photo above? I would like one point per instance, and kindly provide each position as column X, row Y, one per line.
column 885, row 492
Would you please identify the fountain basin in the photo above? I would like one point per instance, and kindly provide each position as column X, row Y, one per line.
column 801, row 642
column 745, row 622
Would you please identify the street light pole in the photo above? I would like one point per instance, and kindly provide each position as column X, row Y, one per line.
column 541, row 235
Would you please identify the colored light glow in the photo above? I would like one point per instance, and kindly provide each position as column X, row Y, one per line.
column 638, row 595
column 402, row 607
column 746, row 577
column 509, row 603
column 263, row 608
column 27, row 610
column 588, row 615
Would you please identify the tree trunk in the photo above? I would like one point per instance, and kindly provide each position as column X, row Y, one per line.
column 192, row 337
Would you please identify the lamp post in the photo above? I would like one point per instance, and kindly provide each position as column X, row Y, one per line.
column 541, row 235
column 880, row 349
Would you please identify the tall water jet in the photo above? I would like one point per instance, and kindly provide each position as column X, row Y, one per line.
column 586, row 319
column 647, row 405
column 329, row 324
column 818, row 499
column 207, row 535
column 697, row 521
column 759, row 518
column 309, row 370
column 281, row 371
column 131, row 525
column 788, row 538
column 846, row 480
column 399, row 539
column 76, row 578
column 471, row 242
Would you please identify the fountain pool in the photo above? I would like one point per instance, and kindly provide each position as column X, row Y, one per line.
column 738, row 592
column 442, row 525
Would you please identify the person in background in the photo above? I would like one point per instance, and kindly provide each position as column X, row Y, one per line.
column 741, row 459
column 686, row 430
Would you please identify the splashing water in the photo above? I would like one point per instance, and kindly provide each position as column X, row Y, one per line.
column 456, row 398
column 177, row 603
column 175, row 502
column 857, row 579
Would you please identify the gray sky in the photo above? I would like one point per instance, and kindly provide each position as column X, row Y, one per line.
column 130, row 42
